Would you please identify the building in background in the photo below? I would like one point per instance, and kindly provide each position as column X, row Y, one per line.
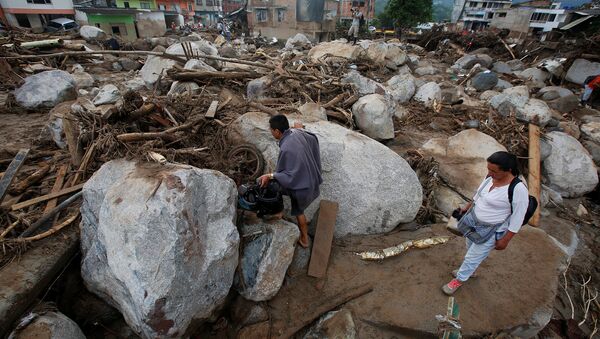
column 230, row 6
column 535, row 17
column 367, row 7
column 125, row 19
column 208, row 12
column 35, row 14
column 476, row 14
column 178, row 11
column 284, row 18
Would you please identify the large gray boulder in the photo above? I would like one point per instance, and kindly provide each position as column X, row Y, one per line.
column 46, row 90
column 581, row 69
column 109, row 94
column 470, row 60
column 513, row 100
column 154, row 67
column 569, row 168
column 402, row 87
column 387, row 190
column 428, row 93
column 197, row 47
column 591, row 130
column 47, row 325
column 462, row 158
column 159, row 243
column 395, row 55
column 335, row 51
column 536, row 76
column 265, row 258
column 92, row 33
column 374, row 116
column 535, row 110
column 484, row 81
column 299, row 42
column 313, row 110
column 362, row 84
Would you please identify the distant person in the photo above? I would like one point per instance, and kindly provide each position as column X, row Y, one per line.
column 357, row 17
column 492, row 214
column 298, row 169
column 591, row 89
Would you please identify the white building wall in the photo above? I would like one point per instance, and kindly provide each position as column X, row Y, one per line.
column 56, row 4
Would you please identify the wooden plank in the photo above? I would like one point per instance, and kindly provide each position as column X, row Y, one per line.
column 11, row 171
column 212, row 109
column 46, row 197
column 534, row 177
column 319, row 258
column 58, row 184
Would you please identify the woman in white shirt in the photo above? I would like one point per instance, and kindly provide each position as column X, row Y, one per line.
column 491, row 207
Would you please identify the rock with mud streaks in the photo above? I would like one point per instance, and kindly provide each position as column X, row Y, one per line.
column 159, row 243
column 385, row 189
column 374, row 116
column 265, row 258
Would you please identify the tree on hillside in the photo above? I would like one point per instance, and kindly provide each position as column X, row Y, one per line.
column 407, row 13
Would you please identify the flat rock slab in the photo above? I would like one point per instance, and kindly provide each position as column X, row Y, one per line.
column 514, row 292
column 23, row 280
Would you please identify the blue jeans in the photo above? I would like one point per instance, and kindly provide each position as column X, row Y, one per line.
column 476, row 254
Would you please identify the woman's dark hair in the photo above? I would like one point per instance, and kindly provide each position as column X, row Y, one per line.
column 506, row 162
column 279, row 122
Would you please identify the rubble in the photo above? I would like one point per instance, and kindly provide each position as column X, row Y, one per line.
column 206, row 104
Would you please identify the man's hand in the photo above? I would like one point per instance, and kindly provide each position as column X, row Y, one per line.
column 503, row 243
column 264, row 180
column 298, row 124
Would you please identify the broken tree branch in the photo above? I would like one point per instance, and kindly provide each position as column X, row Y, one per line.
column 45, row 197
column 207, row 75
column 31, row 229
column 51, row 231
column 30, row 180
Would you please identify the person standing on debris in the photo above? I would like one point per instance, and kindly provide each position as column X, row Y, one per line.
column 298, row 169
column 355, row 27
column 491, row 208
column 591, row 86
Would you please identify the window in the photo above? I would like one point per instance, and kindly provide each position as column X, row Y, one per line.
column 70, row 25
column 40, row 2
column 144, row 5
column 210, row 3
column 552, row 17
column 472, row 4
column 261, row 15
column 126, row 4
column 118, row 29
column 162, row 7
column 502, row 15
column 490, row 15
column 540, row 17
column 190, row 7
column 97, row 25
column 280, row 15
column 358, row 3
column 176, row 8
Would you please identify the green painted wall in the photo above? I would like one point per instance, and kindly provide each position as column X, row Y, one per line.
column 106, row 22
column 108, row 18
column 136, row 3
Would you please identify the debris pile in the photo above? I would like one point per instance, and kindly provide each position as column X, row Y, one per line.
column 163, row 137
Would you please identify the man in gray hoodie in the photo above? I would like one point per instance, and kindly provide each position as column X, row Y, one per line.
column 298, row 169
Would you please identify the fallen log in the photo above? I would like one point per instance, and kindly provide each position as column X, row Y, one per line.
column 207, row 75
column 30, row 180
column 46, row 197
column 37, row 44
column 34, row 227
column 11, row 172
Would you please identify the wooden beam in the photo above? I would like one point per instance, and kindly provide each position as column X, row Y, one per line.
column 534, row 170
column 46, row 197
column 319, row 258
column 58, row 184
column 212, row 109
column 11, row 172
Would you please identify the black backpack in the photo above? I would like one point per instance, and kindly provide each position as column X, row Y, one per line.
column 362, row 20
column 533, row 203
